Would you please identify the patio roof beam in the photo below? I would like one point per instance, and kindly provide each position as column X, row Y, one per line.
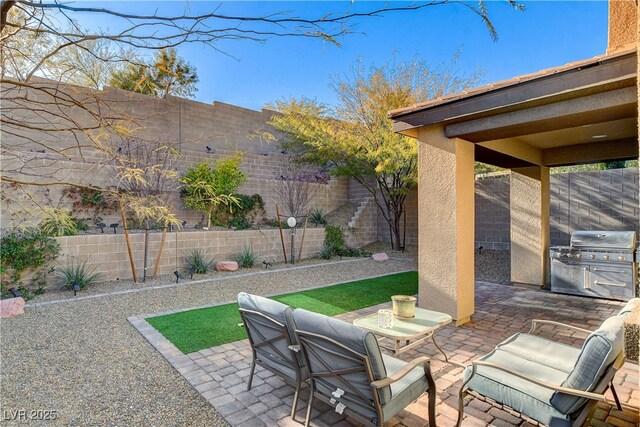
column 516, row 149
column 598, row 108
column 622, row 149
column 619, row 68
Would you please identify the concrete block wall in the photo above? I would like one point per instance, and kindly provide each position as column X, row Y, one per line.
column 108, row 252
column 606, row 199
column 594, row 200
column 597, row 200
column 192, row 125
column 363, row 226
column 492, row 213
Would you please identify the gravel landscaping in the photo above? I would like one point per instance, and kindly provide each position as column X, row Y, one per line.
column 84, row 360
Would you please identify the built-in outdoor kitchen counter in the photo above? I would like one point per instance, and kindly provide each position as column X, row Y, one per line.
column 600, row 264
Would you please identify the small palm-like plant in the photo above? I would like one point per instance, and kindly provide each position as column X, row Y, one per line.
column 318, row 217
column 77, row 272
column 246, row 258
column 199, row 261
column 326, row 252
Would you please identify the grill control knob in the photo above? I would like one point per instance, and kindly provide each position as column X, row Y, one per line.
column 621, row 258
column 592, row 256
column 606, row 257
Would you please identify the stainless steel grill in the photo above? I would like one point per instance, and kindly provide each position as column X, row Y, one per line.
column 599, row 264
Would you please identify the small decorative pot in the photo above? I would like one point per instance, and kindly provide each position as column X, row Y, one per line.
column 385, row 319
column 404, row 306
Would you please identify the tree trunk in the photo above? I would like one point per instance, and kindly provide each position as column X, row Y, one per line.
column 164, row 235
column 146, row 251
column 126, row 236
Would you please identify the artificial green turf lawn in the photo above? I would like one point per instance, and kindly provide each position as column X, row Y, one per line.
column 196, row 330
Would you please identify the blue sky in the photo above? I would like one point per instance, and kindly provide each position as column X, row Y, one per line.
column 546, row 34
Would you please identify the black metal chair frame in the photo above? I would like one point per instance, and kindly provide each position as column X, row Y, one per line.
column 597, row 395
column 310, row 348
column 266, row 347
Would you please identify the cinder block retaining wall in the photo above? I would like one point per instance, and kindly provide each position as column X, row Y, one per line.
column 604, row 200
column 108, row 252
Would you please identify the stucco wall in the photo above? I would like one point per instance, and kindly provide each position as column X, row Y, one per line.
column 623, row 21
column 108, row 252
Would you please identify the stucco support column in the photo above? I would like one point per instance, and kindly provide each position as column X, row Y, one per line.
column 446, row 226
column 530, row 225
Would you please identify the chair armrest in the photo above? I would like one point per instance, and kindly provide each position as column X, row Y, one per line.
column 536, row 322
column 420, row 361
column 566, row 390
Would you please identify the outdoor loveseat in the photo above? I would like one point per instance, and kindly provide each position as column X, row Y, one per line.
column 269, row 326
column 348, row 371
column 341, row 362
column 549, row 382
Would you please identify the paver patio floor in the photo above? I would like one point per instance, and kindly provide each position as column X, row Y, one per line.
column 220, row 373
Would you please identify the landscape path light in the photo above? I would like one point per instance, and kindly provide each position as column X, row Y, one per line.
column 291, row 222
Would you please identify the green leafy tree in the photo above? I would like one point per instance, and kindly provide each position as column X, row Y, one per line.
column 169, row 74
column 356, row 139
column 207, row 186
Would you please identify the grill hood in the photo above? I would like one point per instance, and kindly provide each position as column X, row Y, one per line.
column 603, row 240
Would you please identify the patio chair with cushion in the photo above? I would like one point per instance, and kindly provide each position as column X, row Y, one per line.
column 270, row 329
column 348, row 371
column 546, row 381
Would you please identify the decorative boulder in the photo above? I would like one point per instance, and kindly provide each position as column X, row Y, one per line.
column 380, row 256
column 226, row 266
column 12, row 307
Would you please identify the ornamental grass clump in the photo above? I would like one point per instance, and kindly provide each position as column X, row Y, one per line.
column 199, row 261
column 246, row 258
column 77, row 272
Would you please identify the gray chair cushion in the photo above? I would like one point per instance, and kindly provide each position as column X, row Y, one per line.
column 404, row 391
column 516, row 353
column 629, row 306
column 356, row 339
column 598, row 352
column 282, row 313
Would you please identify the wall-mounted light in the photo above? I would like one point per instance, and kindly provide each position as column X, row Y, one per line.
column 115, row 227
column 76, row 288
column 184, row 224
column 102, row 226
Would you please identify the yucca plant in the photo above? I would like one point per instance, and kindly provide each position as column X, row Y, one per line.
column 77, row 272
column 326, row 252
column 199, row 261
column 318, row 217
column 246, row 258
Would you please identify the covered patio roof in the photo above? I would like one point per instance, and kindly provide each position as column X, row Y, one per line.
column 581, row 112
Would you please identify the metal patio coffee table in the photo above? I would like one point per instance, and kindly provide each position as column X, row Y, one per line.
column 420, row 328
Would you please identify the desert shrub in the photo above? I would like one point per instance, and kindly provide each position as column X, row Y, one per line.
column 248, row 211
column 199, row 261
column 318, row 217
column 326, row 252
column 246, row 258
column 334, row 239
column 26, row 251
column 76, row 271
